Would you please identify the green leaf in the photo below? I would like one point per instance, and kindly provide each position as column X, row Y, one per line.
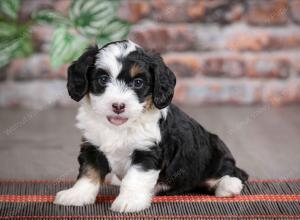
column 25, row 46
column 7, row 30
column 102, row 40
column 66, row 47
column 50, row 17
column 10, row 8
column 15, row 41
column 91, row 17
column 8, row 47
column 116, row 30
column 6, row 53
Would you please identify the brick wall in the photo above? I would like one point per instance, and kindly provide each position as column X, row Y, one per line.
column 222, row 51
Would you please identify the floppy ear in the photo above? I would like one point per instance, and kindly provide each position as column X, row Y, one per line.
column 77, row 73
column 164, row 83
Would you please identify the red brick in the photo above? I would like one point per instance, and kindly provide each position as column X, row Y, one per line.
column 295, row 10
column 235, row 13
column 195, row 11
column 278, row 93
column 213, row 4
column 205, row 91
column 162, row 10
column 62, row 6
column 61, row 72
column 15, row 67
column 213, row 65
column 223, row 11
column 248, row 40
column 29, row 6
column 177, row 11
column 233, row 65
column 133, row 10
column 271, row 12
column 183, row 65
column 268, row 67
column 162, row 38
column 295, row 62
column 35, row 67
column 242, row 38
column 209, row 37
column 217, row 91
column 284, row 41
column 42, row 37
column 36, row 94
column 219, row 66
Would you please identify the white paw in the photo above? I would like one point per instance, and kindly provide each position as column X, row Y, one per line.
column 228, row 187
column 131, row 203
column 73, row 197
column 82, row 193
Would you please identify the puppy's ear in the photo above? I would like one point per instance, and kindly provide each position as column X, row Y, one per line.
column 164, row 83
column 77, row 73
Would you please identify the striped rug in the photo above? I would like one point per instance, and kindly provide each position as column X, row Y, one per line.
column 260, row 199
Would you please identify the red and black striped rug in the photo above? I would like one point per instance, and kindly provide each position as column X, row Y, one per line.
column 261, row 199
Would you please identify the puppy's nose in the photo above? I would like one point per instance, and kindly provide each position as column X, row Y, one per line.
column 118, row 107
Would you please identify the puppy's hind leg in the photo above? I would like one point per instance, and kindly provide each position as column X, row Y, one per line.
column 225, row 186
column 227, row 179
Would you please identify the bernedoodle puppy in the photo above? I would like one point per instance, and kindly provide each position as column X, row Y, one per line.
column 133, row 136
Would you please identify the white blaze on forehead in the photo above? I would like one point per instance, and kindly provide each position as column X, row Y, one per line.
column 109, row 57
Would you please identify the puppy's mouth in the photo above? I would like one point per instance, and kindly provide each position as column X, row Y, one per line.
column 117, row 120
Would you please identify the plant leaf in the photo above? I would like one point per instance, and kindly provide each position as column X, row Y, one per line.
column 25, row 46
column 19, row 46
column 50, row 17
column 15, row 41
column 6, row 53
column 90, row 17
column 116, row 30
column 7, row 30
column 10, row 8
column 66, row 47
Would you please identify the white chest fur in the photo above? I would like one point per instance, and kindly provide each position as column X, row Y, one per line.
column 118, row 143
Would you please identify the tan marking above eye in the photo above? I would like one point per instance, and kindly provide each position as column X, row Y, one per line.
column 135, row 70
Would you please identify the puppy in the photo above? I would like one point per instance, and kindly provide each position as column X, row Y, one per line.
column 133, row 136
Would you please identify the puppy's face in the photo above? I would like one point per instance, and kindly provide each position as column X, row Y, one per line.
column 120, row 85
column 121, row 81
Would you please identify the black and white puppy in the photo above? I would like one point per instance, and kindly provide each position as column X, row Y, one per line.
column 133, row 136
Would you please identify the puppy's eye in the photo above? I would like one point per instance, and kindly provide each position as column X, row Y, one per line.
column 138, row 83
column 103, row 80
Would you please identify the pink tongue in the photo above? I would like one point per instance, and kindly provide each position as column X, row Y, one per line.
column 116, row 120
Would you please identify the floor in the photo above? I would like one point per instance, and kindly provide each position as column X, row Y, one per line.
column 44, row 144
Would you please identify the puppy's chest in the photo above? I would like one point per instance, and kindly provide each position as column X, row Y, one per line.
column 119, row 145
column 119, row 162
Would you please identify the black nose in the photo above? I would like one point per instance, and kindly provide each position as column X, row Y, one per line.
column 118, row 107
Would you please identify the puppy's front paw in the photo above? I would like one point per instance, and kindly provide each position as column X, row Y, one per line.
column 131, row 203
column 228, row 187
column 74, row 197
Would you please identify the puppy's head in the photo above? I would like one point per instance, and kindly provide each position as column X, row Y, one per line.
column 121, row 81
